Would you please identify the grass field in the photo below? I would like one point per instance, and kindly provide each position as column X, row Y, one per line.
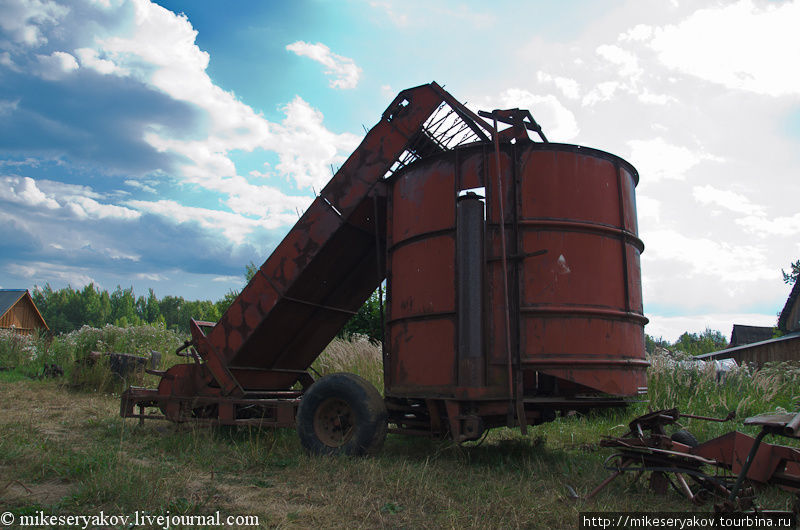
column 64, row 450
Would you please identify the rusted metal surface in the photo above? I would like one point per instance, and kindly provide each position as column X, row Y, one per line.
column 501, row 201
column 581, row 303
column 520, row 120
column 561, row 313
column 501, row 309
column 317, row 277
column 718, row 469
column 325, row 268
column 572, row 265
column 421, row 287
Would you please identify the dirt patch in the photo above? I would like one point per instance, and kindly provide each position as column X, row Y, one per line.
column 273, row 503
column 44, row 494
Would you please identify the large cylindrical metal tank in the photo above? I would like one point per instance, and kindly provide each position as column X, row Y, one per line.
column 572, row 304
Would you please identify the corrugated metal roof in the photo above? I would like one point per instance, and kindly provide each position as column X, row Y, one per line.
column 9, row 297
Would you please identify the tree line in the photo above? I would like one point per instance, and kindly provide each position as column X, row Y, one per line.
column 692, row 343
column 69, row 309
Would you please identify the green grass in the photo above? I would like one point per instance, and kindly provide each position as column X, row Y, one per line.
column 28, row 356
column 774, row 388
column 65, row 450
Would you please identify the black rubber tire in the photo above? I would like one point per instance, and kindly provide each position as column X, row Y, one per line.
column 684, row 437
column 342, row 414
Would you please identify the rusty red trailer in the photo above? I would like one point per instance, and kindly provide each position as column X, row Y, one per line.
column 513, row 289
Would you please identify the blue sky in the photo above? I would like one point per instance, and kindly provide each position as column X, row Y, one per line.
column 168, row 144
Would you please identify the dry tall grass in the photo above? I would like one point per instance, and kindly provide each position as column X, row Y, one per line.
column 67, row 452
column 700, row 390
column 358, row 355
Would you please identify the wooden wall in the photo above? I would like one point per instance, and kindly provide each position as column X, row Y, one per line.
column 22, row 317
column 793, row 319
column 782, row 349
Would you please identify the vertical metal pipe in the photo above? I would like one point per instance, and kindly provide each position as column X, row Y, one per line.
column 381, row 271
column 504, row 261
column 470, row 222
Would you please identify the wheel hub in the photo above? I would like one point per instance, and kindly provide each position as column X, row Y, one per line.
column 334, row 422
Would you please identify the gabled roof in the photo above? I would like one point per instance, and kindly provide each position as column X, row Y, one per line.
column 750, row 334
column 9, row 297
column 787, row 309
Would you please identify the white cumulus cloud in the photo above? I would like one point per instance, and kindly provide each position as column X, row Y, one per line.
column 343, row 71
column 56, row 65
column 601, row 92
column 735, row 202
column 779, row 226
column 25, row 21
column 71, row 275
column 557, row 121
column 661, row 160
column 307, row 149
column 740, row 45
column 569, row 87
column 159, row 49
column 79, row 202
column 235, row 227
column 23, row 190
column 729, row 262
column 89, row 58
column 626, row 61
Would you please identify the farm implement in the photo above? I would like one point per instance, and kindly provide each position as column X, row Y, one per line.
column 513, row 290
column 721, row 469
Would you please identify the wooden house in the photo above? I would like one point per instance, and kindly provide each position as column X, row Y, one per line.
column 789, row 320
column 783, row 348
column 19, row 313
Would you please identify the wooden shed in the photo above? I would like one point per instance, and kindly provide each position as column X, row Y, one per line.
column 19, row 313
column 742, row 335
column 784, row 348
